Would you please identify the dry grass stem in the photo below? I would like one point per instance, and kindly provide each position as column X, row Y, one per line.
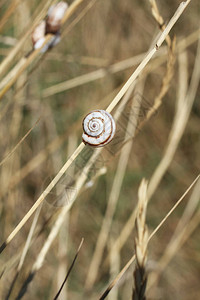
column 116, row 187
column 64, row 235
column 170, row 61
column 18, row 144
column 123, row 65
column 141, row 242
column 114, row 269
column 69, row 271
column 25, row 250
column 8, row 13
column 159, row 19
column 42, row 196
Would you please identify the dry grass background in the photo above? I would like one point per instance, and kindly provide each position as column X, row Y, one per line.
column 41, row 112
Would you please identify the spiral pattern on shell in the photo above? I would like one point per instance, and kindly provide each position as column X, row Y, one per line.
column 98, row 128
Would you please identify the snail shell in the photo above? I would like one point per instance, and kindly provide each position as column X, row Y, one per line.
column 98, row 128
column 52, row 42
column 54, row 17
column 38, row 35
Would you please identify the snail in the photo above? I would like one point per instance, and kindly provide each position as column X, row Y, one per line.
column 98, row 128
column 54, row 17
column 55, row 39
column 38, row 38
column 51, row 25
column 38, row 35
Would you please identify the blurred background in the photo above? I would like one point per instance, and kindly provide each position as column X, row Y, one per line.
column 101, row 45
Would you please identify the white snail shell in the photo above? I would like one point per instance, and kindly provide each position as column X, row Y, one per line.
column 54, row 17
column 55, row 39
column 98, row 128
column 38, row 35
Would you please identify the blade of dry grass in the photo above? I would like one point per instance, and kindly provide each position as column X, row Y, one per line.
column 79, row 17
column 32, row 274
column 117, row 67
column 92, row 76
column 19, row 143
column 170, row 61
column 141, row 242
column 42, row 196
column 64, row 235
column 63, row 248
column 114, row 269
column 24, row 252
column 159, row 19
column 13, row 5
column 115, row 191
column 69, row 271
